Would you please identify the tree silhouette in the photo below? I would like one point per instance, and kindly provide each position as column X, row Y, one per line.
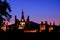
column 3, row 11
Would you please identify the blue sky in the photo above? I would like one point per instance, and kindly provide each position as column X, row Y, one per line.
column 38, row 10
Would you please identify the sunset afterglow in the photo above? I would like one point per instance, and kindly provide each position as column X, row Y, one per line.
column 38, row 10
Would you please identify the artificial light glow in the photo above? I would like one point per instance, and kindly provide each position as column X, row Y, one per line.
column 3, row 28
column 22, row 23
column 21, row 28
column 42, row 27
column 30, row 31
column 50, row 29
column 22, row 19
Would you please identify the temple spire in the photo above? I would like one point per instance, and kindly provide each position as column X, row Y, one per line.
column 22, row 17
column 28, row 21
column 50, row 23
column 54, row 23
column 22, row 21
column 28, row 18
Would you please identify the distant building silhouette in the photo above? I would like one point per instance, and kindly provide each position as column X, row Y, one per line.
column 27, row 23
column 53, row 23
column 47, row 26
column 22, row 21
column 16, row 22
column 7, row 27
column 43, row 27
column 54, row 26
column 50, row 27
column 30, row 26
column 59, row 27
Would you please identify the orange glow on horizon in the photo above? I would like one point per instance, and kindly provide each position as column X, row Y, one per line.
column 38, row 20
column 57, row 22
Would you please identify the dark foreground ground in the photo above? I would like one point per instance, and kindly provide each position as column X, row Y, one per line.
column 18, row 35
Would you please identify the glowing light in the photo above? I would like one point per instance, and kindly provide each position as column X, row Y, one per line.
column 30, row 31
column 3, row 28
column 20, row 27
column 22, row 19
column 42, row 27
column 50, row 29
column 23, row 23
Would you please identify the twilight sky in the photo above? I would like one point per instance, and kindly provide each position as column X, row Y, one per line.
column 38, row 10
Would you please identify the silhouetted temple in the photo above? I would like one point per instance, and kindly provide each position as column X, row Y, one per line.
column 23, row 25
column 22, row 21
